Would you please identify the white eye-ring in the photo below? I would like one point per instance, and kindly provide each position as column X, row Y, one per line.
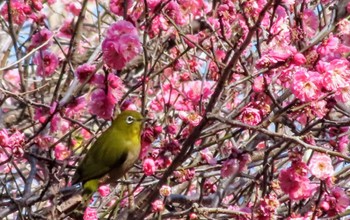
column 129, row 119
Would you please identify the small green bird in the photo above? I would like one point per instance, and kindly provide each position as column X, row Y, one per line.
column 112, row 154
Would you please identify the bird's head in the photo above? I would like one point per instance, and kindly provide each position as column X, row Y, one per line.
column 129, row 121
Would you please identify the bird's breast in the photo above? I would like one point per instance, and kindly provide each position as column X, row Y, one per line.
column 133, row 155
column 118, row 172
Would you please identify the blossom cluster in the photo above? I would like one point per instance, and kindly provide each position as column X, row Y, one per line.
column 121, row 45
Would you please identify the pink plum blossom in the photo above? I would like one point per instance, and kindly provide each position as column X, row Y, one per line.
column 261, row 145
column 116, row 54
column 147, row 139
column 342, row 144
column 237, row 162
column 244, row 159
column 12, row 78
column 267, row 208
column 129, row 46
column 196, row 7
column 254, row 7
column 229, row 168
column 117, row 6
column 58, row 124
column 328, row 46
column 99, row 80
column 299, row 59
column 207, row 155
column 165, row 190
column 117, row 29
column 104, row 190
column 173, row 146
column 157, row 206
column 90, row 214
column 35, row 4
column 121, row 45
column 172, row 128
column 159, row 25
column 310, row 22
column 306, row 216
column 116, row 86
column 149, row 167
column 66, row 29
column 112, row 55
column 191, row 40
column 259, row 84
column 195, row 90
column 265, row 68
column 44, row 141
column 153, row 3
column 295, row 183
column 102, row 104
column 41, row 114
column 76, row 107
column 344, row 30
column 74, row 7
column 61, row 151
column 192, row 118
column 251, row 116
column 209, row 187
column 19, row 11
column 193, row 216
column 273, row 56
column 321, row 166
column 184, row 175
column 46, row 62
column 319, row 108
column 41, row 37
column 16, row 140
column 83, row 72
column 85, row 134
column 4, row 138
column 173, row 10
column 163, row 162
column 307, row 85
column 226, row 26
column 170, row 97
column 335, row 202
column 13, row 143
column 336, row 74
column 343, row 94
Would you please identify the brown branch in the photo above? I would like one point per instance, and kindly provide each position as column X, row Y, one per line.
column 282, row 136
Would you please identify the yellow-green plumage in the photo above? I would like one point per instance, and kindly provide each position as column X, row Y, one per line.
column 112, row 154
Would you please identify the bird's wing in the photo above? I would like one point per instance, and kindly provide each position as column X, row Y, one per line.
column 93, row 170
column 101, row 158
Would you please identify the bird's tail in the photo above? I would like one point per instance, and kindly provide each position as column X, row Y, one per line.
column 90, row 187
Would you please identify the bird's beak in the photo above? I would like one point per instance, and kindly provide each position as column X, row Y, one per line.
column 143, row 120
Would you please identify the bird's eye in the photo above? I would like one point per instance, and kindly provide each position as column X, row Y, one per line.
column 129, row 119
